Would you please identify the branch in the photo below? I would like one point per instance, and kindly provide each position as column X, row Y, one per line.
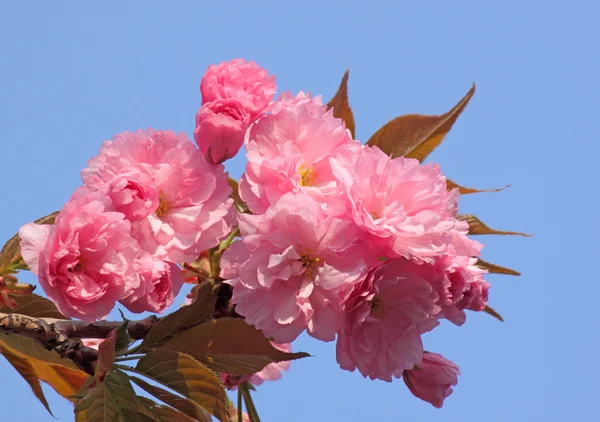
column 64, row 336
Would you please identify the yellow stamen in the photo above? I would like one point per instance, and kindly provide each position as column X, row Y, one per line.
column 378, row 308
column 307, row 175
column 163, row 205
column 308, row 262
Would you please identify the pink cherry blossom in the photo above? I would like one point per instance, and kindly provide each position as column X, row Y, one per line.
column 158, row 288
column 384, row 317
column 246, row 82
column 403, row 205
column 92, row 342
column 290, row 151
column 221, row 127
column 432, row 379
column 184, row 200
column 294, row 268
column 271, row 372
column 87, row 260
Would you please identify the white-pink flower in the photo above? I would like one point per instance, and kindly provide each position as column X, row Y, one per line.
column 87, row 260
column 178, row 202
column 294, row 268
column 384, row 317
column 403, row 205
column 290, row 151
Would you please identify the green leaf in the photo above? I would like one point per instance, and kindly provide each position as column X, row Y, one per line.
column 240, row 205
column 466, row 191
column 476, row 226
column 182, row 319
column 492, row 312
column 109, row 400
column 169, row 414
column 497, row 269
column 188, row 377
column 416, row 135
column 27, row 371
column 229, row 345
column 341, row 106
column 181, row 405
column 35, row 306
column 123, row 338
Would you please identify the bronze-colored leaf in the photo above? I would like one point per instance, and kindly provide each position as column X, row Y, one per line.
column 35, row 306
column 183, row 406
column 496, row 269
column 476, row 226
column 229, row 345
column 169, row 414
column 341, row 105
column 492, row 312
column 188, row 377
column 240, row 205
column 416, row 135
column 106, row 354
column 184, row 318
column 27, row 371
column 109, row 400
column 60, row 374
column 466, row 191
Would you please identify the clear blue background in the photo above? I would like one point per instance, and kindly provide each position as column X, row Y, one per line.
column 73, row 74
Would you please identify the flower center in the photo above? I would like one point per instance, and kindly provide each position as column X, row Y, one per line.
column 308, row 262
column 163, row 205
column 377, row 307
column 307, row 175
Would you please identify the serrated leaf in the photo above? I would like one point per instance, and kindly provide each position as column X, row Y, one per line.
column 12, row 249
column 60, row 374
column 181, row 405
column 496, row 269
column 341, row 105
column 27, row 371
column 492, row 312
column 108, row 400
column 106, row 354
column 169, row 414
column 35, row 306
column 476, row 226
column 417, row 135
column 184, row 318
column 188, row 377
column 229, row 345
column 466, row 191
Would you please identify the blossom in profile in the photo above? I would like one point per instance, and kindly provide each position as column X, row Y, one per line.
column 178, row 203
column 293, row 268
column 432, row 379
column 384, row 317
column 87, row 261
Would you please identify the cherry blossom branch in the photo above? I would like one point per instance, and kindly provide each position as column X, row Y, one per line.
column 64, row 336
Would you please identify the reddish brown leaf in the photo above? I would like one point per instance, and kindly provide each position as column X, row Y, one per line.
column 466, row 191
column 492, row 312
column 476, row 226
column 229, row 345
column 496, row 269
column 341, row 106
column 417, row 135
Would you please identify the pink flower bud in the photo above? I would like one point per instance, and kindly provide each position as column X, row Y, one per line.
column 220, row 129
column 432, row 379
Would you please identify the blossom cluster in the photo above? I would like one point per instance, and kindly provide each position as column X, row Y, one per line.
column 149, row 201
column 341, row 240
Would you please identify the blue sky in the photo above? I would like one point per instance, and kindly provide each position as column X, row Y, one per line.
column 74, row 74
